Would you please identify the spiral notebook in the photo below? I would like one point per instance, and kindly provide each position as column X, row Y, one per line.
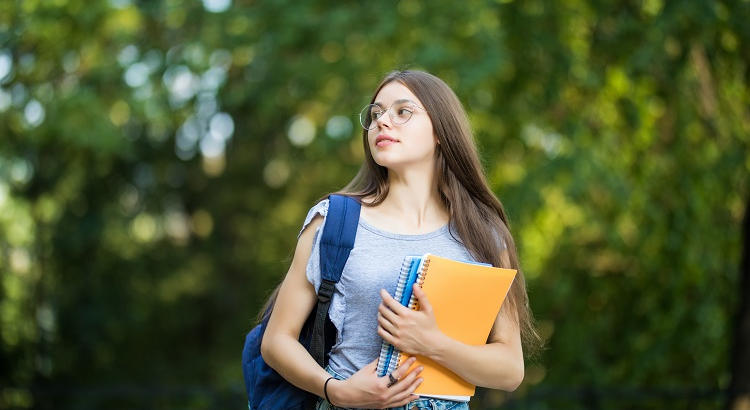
column 466, row 298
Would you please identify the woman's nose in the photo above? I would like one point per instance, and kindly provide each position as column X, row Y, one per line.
column 384, row 119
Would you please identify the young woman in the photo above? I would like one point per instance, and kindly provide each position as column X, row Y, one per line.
column 422, row 189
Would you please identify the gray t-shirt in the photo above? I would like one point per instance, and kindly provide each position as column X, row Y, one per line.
column 373, row 264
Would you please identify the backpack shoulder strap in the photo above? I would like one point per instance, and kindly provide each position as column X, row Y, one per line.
column 338, row 236
column 339, row 232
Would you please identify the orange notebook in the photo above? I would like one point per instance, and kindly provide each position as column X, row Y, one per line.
column 466, row 299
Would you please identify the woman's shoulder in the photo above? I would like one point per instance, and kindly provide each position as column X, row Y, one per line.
column 320, row 208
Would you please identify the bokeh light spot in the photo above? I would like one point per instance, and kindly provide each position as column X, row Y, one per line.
column 143, row 228
column 339, row 127
column 33, row 113
column 136, row 75
column 221, row 125
column 217, row 6
column 6, row 64
column 301, row 131
column 276, row 173
column 202, row 223
column 119, row 114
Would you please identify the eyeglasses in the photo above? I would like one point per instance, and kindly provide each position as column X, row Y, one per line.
column 400, row 112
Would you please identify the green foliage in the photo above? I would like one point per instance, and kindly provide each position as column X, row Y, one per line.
column 157, row 159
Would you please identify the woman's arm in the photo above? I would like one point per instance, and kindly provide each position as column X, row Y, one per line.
column 497, row 364
column 280, row 347
column 282, row 351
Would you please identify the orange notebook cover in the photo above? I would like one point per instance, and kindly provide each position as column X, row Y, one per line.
column 466, row 299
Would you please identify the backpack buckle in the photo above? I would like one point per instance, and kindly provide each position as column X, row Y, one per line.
column 325, row 292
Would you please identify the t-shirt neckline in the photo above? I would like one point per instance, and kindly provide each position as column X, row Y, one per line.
column 394, row 235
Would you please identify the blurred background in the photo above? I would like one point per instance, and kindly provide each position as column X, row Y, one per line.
column 157, row 159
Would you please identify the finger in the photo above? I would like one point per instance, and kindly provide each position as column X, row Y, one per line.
column 409, row 384
column 402, row 399
column 405, row 379
column 401, row 390
column 390, row 302
column 424, row 304
column 407, row 396
column 398, row 373
column 388, row 326
column 386, row 336
column 405, row 382
column 402, row 382
column 387, row 313
column 403, row 369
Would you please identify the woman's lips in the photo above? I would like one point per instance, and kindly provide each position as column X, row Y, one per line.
column 384, row 141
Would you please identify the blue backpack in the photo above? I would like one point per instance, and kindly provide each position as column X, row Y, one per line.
column 266, row 389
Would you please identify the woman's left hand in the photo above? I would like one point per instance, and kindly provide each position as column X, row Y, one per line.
column 410, row 331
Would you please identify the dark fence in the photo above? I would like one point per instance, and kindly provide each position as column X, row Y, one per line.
column 201, row 397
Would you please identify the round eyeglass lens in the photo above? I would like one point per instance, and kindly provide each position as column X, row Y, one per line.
column 368, row 115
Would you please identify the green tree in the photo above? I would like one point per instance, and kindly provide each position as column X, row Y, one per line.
column 157, row 159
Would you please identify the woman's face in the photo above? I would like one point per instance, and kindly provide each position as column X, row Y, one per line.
column 394, row 145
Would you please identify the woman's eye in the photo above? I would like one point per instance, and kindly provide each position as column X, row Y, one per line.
column 404, row 111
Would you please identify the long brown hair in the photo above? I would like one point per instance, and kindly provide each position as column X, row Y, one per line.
column 476, row 214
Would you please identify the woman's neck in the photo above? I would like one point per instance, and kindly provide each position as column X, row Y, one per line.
column 413, row 201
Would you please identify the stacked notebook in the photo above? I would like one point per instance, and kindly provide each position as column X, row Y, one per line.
column 466, row 298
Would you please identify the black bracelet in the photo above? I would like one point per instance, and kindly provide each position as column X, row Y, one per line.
column 325, row 389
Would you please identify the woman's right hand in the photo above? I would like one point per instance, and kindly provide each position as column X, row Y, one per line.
column 366, row 389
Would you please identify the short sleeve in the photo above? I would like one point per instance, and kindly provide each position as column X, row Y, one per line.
column 312, row 271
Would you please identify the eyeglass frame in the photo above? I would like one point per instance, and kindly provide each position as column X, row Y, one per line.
column 389, row 111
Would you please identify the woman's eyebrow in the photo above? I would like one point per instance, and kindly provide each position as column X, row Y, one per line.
column 402, row 100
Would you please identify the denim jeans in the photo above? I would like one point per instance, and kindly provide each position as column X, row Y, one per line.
column 424, row 403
